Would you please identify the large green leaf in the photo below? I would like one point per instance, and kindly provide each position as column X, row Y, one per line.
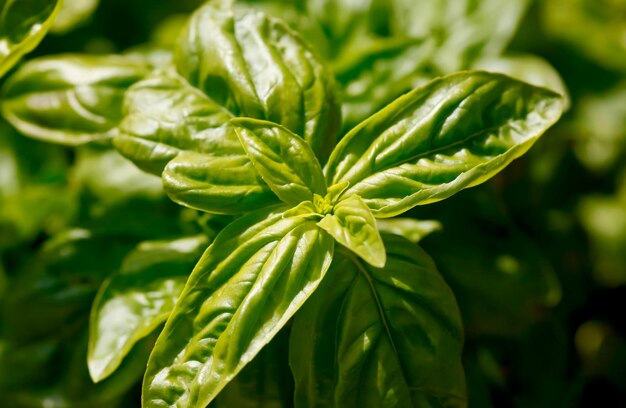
column 353, row 226
column 23, row 24
column 453, row 133
column 132, row 303
column 165, row 116
column 70, row 99
column 252, row 279
column 528, row 68
column 255, row 66
column 371, row 337
column 283, row 160
column 170, row 123
column 222, row 185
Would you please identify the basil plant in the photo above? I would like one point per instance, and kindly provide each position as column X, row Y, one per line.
column 243, row 120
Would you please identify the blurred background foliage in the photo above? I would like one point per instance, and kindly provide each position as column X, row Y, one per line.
column 536, row 257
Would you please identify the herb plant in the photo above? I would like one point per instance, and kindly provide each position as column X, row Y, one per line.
column 242, row 123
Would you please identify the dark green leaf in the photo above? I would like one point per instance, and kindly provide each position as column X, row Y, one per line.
column 133, row 302
column 453, row 133
column 255, row 66
column 169, row 123
column 252, row 279
column 69, row 99
column 23, row 24
column 373, row 337
column 283, row 160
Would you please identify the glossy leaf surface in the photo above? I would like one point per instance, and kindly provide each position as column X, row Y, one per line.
column 453, row 133
column 164, row 116
column 353, row 226
column 252, row 279
column 23, row 24
column 222, row 185
column 255, row 66
column 283, row 160
column 69, row 99
column 528, row 68
column 371, row 337
column 132, row 303
column 170, row 123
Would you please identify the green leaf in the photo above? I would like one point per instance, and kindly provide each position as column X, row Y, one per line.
column 170, row 123
column 252, row 279
column 165, row 116
column 255, row 66
column 284, row 161
column 409, row 228
column 23, row 24
column 73, row 13
column 371, row 337
column 528, row 68
column 69, row 99
column 453, row 133
column 353, row 226
column 221, row 185
column 132, row 303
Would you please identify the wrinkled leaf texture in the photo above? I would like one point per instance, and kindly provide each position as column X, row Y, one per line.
column 249, row 283
column 453, row 133
column 373, row 337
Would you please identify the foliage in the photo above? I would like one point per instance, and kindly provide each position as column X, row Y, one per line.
column 234, row 201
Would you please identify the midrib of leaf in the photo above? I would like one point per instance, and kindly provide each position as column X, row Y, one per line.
column 424, row 304
column 431, row 152
column 363, row 270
